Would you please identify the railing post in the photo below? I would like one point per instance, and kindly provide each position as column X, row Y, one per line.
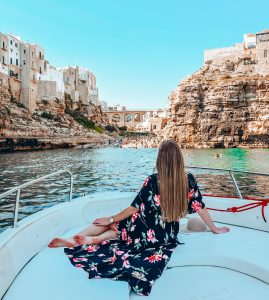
column 16, row 212
column 71, row 187
column 236, row 185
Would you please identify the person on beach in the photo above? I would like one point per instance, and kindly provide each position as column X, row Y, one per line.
column 136, row 244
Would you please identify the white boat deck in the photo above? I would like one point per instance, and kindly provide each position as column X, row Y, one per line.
column 234, row 265
column 207, row 266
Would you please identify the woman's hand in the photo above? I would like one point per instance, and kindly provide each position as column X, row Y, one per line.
column 101, row 222
column 221, row 230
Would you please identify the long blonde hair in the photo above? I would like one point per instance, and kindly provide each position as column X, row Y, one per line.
column 172, row 181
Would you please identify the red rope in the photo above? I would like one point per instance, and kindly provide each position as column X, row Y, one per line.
column 236, row 209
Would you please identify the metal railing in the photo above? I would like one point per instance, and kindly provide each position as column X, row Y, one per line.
column 20, row 187
column 231, row 173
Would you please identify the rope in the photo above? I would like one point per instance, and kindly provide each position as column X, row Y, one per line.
column 237, row 209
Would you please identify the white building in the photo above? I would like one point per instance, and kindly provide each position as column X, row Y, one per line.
column 53, row 74
column 3, row 54
column 249, row 40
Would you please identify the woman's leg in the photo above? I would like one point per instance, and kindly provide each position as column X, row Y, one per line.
column 95, row 240
column 93, row 230
column 75, row 240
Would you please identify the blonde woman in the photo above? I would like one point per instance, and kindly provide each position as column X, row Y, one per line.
column 136, row 244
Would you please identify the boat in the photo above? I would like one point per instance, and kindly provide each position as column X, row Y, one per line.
column 207, row 266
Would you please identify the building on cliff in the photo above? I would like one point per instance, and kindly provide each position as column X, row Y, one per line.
column 253, row 50
column 139, row 120
column 32, row 79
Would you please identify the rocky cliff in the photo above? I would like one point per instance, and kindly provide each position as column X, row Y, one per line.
column 50, row 126
column 220, row 105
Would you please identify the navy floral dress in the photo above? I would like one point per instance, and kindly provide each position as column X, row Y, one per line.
column 145, row 242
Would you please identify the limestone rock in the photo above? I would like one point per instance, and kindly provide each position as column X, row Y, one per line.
column 220, row 105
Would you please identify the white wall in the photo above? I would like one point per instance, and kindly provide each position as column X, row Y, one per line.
column 13, row 51
column 52, row 74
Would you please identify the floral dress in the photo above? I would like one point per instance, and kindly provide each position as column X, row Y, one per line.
column 145, row 242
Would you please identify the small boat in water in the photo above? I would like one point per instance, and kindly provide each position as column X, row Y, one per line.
column 207, row 266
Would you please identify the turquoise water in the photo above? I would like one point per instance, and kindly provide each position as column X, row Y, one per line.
column 116, row 169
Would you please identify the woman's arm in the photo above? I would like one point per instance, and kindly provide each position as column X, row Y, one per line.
column 127, row 212
column 203, row 213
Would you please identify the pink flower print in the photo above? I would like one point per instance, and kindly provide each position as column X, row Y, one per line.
column 92, row 248
column 146, row 182
column 129, row 241
column 93, row 268
column 80, row 259
column 113, row 259
column 118, row 252
column 153, row 258
column 142, row 207
column 79, row 266
column 101, row 255
column 134, row 217
column 136, row 241
column 196, row 206
column 124, row 234
column 105, row 242
column 126, row 255
column 156, row 199
column 191, row 192
column 126, row 263
column 151, row 236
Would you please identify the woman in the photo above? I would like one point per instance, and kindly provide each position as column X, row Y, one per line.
column 136, row 244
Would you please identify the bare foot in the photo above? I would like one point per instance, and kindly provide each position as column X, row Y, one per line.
column 58, row 242
column 85, row 240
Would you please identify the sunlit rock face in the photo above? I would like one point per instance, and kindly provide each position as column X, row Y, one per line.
column 220, row 105
column 48, row 127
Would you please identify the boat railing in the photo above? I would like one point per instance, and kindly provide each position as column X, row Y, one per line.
column 231, row 173
column 20, row 187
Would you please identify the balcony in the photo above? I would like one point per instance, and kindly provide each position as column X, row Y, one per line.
column 15, row 66
column 3, row 48
column 15, row 77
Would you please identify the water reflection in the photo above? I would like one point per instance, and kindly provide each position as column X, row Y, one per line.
column 115, row 169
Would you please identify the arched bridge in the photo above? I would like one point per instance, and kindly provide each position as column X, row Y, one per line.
column 129, row 118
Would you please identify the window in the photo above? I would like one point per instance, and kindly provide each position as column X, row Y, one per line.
column 4, row 46
column 40, row 55
column 40, row 70
column 16, row 45
column 24, row 51
column 32, row 54
column 24, row 62
column 265, row 53
column 11, row 42
column 11, row 61
column 3, row 59
column 17, row 62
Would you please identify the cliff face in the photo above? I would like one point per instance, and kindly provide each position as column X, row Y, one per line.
column 220, row 105
column 47, row 128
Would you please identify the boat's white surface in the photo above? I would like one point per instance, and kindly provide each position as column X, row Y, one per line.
column 227, row 266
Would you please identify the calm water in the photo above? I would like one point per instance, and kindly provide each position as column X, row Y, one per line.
column 116, row 169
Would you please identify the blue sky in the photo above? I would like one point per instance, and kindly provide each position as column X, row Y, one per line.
column 139, row 50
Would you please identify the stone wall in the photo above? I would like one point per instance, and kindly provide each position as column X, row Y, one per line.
column 220, row 106
column 46, row 90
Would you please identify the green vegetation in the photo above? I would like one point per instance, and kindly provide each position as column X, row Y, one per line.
column 47, row 115
column 110, row 128
column 80, row 118
column 84, row 121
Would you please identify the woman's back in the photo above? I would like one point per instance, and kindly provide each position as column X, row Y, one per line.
column 147, row 227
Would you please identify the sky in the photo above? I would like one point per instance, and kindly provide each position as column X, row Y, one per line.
column 138, row 50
